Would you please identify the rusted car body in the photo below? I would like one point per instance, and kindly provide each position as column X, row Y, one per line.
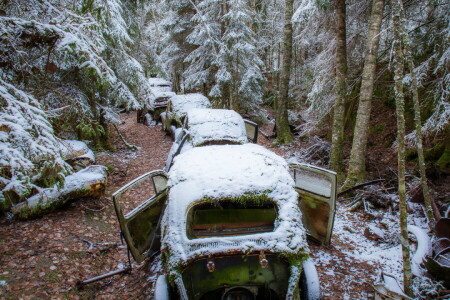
column 178, row 106
column 231, row 222
column 204, row 127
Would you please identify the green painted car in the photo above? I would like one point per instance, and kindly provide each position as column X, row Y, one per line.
column 230, row 222
column 177, row 108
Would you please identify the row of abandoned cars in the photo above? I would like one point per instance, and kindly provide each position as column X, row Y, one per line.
column 229, row 218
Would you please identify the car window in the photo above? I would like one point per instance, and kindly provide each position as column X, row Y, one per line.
column 146, row 196
column 230, row 218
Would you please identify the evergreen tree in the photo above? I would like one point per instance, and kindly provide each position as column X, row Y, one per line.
column 336, row 156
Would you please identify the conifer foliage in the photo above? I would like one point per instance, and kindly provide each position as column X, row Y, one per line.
column 219, row 51
column 66, row 66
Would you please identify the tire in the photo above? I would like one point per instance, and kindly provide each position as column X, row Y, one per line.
column 309, row 281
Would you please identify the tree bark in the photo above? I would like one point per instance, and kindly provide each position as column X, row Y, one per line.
column 417, row 117
column 357, row 163
column 337, row 140
column 284, row 135
column 400, row 110
column 89, row 182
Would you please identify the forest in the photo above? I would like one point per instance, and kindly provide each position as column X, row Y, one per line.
column 357, row 87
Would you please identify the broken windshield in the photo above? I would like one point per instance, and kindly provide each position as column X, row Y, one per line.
column 229, row 218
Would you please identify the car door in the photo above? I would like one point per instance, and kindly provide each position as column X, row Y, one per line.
column 139, row 206
column 317, row 199
column 251, row 129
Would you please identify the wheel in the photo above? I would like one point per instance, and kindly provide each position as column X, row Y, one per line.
column 309, row 281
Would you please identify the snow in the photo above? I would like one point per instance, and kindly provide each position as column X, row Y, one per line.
column 316, row 183
column 80, row 179
column 376, row 230
column 76, row 149
column 392, row 284
column 159, row 82
column 161, row 288
column 76, row 183
column 229, row 171
column 206, row 125
column 181, row 104
column 352, row 247
column 423, row 246
column 312, row 279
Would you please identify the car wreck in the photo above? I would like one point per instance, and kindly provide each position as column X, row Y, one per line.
column 227, row 221
column 161, row 91
column 178, row 106
column 203, row 127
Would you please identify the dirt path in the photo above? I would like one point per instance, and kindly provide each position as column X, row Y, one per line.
column 43, row 258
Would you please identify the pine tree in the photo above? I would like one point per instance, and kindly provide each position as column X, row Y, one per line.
column 336, row 155
column 239, row 67
column 284, row 135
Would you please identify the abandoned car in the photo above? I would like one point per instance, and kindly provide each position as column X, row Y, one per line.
column 178, row 106
column 161, row 91
column 227, row 221
column 203, row 127
column 160, row 84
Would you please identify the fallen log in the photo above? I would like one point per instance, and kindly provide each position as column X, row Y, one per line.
column 89, row 182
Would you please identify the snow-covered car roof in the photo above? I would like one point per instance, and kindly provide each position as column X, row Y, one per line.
column 158, row 94
column 155, row 81
column 182, row 103
column 205, row 125
column 228, row 172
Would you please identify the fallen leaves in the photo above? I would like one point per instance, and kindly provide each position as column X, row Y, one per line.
column 43, row 258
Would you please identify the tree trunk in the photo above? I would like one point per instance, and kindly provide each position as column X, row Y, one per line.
column 337, row 140
column 357, row 164
column 89, row 182
column 284, row 135
column 417, row 118
column 400, row 110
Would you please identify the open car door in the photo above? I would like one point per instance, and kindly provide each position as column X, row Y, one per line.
column 139, row 207
column 317, row 199
column 252, row 131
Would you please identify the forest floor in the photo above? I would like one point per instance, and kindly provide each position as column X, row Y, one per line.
column 45, row 257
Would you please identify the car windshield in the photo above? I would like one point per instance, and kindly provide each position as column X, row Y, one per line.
column 229, row 218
